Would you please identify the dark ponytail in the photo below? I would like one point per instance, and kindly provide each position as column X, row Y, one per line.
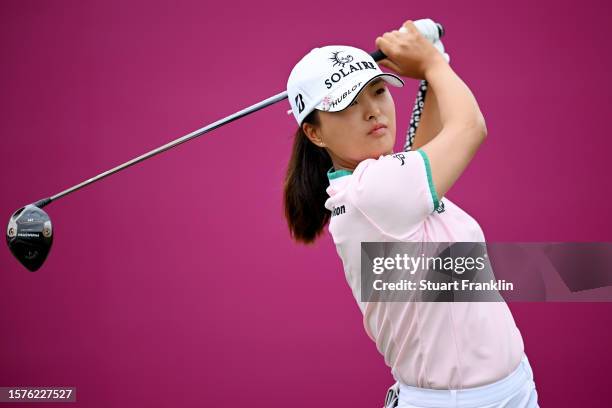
column 305, row 184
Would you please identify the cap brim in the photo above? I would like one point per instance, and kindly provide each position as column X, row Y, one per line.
column 341, row 98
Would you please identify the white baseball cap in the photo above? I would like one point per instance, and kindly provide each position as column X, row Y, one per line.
column 329, row 79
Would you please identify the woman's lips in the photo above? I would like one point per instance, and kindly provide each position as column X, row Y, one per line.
column 378, row 130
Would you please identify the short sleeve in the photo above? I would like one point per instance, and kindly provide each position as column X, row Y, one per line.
column 395, row 191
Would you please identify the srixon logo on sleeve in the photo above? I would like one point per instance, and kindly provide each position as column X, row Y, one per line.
column 338, row 210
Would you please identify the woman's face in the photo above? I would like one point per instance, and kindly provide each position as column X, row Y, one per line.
column 347, row 134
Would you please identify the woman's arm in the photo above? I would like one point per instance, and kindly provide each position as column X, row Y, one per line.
column 462, row 124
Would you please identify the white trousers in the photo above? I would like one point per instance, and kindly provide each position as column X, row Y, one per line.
column 517, row 390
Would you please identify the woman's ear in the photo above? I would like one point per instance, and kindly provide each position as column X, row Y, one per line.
column 312, row 134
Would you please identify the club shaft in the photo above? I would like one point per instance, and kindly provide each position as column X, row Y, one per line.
column 253, row 108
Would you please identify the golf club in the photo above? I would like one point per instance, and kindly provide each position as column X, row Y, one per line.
column 30, row 232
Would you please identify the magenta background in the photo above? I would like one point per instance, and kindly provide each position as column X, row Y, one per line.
column 175, row 283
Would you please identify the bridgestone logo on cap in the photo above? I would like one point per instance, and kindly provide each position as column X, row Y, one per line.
column 299, row 102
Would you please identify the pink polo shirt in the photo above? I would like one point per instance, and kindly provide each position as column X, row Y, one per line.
column 439, row 345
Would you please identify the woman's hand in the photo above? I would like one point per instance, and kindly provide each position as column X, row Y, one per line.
column 408, row 52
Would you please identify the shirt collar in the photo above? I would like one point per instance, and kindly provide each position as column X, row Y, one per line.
column 337, row 178
column 335, row 174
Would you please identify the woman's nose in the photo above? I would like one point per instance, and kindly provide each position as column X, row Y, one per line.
column 372, row 109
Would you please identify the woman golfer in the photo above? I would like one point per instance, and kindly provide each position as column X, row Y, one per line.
column 343, row 171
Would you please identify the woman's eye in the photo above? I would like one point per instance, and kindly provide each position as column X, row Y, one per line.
column 378, row 92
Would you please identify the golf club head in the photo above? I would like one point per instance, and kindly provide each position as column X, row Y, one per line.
column 29, row 236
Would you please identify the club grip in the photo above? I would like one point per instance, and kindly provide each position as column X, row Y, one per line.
column 422, row 25
column 378, row 55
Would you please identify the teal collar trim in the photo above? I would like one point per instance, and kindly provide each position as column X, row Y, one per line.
column 331, row 174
